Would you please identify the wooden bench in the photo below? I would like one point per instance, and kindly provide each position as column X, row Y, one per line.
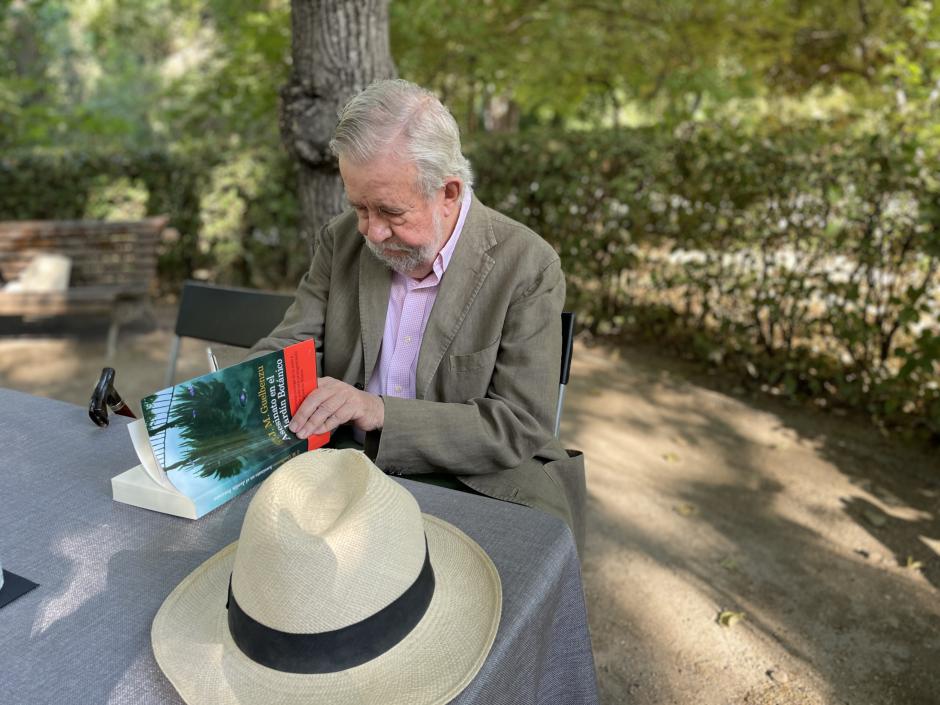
column 113, row 268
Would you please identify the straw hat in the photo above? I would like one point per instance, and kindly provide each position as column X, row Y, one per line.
column 342, row 588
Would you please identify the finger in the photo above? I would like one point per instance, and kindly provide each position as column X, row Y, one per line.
column 322, row 419
column 325, row 389
column 340, row 415
column 332, row 411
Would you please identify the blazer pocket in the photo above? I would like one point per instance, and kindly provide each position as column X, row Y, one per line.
column 480, row 359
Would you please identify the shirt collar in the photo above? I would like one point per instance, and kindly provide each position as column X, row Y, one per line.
column 447, row 251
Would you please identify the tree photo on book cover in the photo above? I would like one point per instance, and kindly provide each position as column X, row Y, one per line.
column 215, row 427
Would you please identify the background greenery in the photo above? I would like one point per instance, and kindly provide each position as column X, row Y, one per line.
column 756, row 183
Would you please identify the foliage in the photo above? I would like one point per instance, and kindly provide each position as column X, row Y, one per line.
column 76, row 185
column 808, row 259
column 235, row 219
column 251, row 234
column 141, row 74
column 610, row 61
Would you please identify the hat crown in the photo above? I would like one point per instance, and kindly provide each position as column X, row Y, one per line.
column 328, row 540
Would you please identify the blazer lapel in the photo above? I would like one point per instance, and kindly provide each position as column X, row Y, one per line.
column 460, row 285
column 375, row 281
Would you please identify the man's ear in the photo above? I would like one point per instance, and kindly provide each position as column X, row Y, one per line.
column 453, row 189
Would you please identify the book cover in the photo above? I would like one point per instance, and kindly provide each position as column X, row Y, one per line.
column 215, row 436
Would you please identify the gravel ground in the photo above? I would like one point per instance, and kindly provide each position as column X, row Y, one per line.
column 818, row 540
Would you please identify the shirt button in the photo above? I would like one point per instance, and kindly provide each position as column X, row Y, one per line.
column 407, row 338
column 398, row 388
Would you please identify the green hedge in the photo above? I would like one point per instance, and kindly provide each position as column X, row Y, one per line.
column 807, row 259
column 234, row 215
column 67, row 185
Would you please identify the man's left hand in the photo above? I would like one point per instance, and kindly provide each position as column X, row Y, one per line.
column 334, row 403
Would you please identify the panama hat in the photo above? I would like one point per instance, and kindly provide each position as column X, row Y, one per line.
column 338, row 591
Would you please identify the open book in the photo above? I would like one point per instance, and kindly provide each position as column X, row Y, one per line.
column 207, row 440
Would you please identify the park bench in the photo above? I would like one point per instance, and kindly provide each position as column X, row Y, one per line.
column 113, row 268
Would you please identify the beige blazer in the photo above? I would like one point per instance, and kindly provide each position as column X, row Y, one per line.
column 488, row 367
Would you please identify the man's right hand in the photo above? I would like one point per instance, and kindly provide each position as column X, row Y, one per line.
column 334, row 403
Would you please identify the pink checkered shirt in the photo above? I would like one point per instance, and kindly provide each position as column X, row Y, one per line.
column 409, row 307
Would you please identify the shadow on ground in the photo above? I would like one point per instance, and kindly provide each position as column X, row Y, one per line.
column 701, row 503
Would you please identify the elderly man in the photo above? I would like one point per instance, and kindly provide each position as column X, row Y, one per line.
column 437, row 319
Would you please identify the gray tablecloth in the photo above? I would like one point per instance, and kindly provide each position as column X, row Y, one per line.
column 104, row 569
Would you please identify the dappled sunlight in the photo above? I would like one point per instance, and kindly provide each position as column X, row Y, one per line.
column 87, row 569
column 700, row 502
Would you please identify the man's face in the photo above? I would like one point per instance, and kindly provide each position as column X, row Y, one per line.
column 402, row 228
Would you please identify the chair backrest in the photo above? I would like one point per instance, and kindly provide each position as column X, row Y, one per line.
column 567, row 346
column 229, row 315
column 225, row 314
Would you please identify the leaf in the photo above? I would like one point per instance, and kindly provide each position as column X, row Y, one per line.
column 729, row 563
column 875, row 518
column 671, row 457
column 912, row 564
column 728, row 619
column 685, row 509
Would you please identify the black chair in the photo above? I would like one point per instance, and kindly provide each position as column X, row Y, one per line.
column 225, row 314
column 567, row 344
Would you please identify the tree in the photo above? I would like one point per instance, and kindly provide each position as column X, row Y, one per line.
column 338, row 48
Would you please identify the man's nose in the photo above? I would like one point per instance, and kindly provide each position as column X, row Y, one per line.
column 378, row 230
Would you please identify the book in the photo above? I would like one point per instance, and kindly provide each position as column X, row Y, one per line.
column 205, row 441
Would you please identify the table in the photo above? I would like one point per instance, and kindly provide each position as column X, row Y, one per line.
column 104, row 568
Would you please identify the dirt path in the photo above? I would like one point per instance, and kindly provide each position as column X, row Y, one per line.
column 702, row 503
column 699, row 503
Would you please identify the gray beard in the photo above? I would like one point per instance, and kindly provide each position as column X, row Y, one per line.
column 407, row 258
column 403, row 259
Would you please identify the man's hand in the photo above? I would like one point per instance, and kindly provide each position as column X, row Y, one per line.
column 334, row 403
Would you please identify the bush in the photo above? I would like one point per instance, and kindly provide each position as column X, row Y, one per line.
column 236, row 214
column 68, row 185
column 806, row 258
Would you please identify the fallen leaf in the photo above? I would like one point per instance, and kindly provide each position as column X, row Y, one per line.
column 671, row 457
column 729, row 563
column 685, row 510
column 728, row 619
column 875, row 518
column 912, row 564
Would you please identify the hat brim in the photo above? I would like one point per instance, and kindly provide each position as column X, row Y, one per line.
column 432, row 664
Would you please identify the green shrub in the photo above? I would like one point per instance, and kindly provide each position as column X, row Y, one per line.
column 235, row 214
column 809, row 259
column 75, row 185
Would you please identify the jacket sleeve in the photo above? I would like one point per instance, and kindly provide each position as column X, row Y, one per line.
column 306, row 316
column 512, row 421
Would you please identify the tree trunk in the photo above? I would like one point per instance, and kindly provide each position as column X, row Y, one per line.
column 338, row 48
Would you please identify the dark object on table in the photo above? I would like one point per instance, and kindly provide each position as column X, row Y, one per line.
column 14, row 586
column 106, row 395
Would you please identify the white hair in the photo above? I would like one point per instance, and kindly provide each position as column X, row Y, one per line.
column 400, row 116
